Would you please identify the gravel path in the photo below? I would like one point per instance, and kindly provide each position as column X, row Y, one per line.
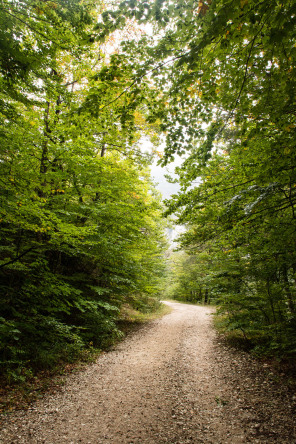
column 170, row 382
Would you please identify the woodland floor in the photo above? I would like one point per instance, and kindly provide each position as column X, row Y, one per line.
column 172, row 381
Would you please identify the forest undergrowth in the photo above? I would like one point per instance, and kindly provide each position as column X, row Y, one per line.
column 20, row 395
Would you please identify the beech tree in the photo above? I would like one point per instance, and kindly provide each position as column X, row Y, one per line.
column 81, row 229
column 237, row 78
column 226, row 72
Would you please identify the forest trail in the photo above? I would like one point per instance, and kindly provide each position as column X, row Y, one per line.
column 170, row 382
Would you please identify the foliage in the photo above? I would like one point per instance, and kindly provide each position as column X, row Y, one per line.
column 237, row 80
column 226, row 71
column 188, row 278
column 80, row 222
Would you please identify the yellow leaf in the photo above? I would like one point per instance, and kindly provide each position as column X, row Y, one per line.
column 288, row 128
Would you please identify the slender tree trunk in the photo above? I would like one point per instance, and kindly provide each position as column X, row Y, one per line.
column 44, row 155
column 103, row 151
column 290, row 298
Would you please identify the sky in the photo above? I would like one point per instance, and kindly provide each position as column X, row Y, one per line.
column 158, row 173
column 167, row 189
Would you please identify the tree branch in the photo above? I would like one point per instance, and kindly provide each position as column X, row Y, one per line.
column 17, row 258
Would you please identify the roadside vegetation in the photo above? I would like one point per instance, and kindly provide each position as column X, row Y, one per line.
column 81, row 224
column 229, row 102
column 15, row 395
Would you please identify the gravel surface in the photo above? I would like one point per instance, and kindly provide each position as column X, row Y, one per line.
column 170, row 382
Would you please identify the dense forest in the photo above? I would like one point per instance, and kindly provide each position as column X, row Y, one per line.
column 226, row 74
column 231, row 96
column 82, row 226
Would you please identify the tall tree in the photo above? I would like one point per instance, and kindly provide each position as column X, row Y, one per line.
column 226, row 71
column 80, row 220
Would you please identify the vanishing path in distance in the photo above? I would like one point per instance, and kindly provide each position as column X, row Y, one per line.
column 172, row 381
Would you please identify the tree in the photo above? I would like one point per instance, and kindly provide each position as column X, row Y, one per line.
column 226, row 71
column 189, row 277
column 80, row 221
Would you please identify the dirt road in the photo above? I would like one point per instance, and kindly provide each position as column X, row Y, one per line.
column 171, row 382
